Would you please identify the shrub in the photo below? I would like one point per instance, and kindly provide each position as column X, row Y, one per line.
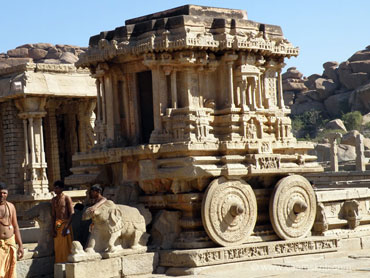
column 352, row 120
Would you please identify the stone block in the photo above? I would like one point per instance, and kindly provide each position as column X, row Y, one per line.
column 365, row 242
column 139, row 264
column 350, row 244
column 36, row 267
column 98, row 269
column 59, row 270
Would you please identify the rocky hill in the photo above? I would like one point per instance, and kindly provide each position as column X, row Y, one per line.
column 339, row 89
column 41, row 53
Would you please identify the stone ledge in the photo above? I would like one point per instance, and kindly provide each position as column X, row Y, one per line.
column 247, row 252
column 135, row 264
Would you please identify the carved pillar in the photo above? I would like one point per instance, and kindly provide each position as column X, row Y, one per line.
column 85, row 129
column 108, row 106
column 26, row 150
column 259, row 91
column 173, row 89
column 334, row 151
column 360, row 156
column 230, row 84
column 243, row 94
column 32, row 112
column 156, row 99
column 280, row 91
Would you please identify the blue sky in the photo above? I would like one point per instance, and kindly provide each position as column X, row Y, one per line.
column 326, row 30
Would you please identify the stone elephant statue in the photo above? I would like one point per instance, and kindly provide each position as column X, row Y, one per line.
column 42, row 214
column 116, row 227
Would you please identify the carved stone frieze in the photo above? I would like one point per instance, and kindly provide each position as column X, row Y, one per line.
column 247, row 252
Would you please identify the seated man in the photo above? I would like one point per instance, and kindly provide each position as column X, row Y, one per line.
column 61, row 211
column 96, row 197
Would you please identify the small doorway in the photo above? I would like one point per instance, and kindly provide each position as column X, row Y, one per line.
column 144, row 80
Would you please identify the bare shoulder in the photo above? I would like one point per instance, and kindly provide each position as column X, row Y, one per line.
column 11, row 207
column 68, row 198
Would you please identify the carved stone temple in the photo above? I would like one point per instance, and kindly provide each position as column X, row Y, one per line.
column 191, row 123
column 45, row 117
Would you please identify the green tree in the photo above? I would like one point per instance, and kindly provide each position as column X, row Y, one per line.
column 307, row 124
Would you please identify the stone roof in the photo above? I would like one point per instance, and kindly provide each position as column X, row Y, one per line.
column 188, row 27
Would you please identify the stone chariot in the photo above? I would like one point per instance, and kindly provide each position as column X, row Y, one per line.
column 191, row 112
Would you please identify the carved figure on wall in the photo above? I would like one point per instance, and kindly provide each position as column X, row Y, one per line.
column 116, row 227
column 42, row 214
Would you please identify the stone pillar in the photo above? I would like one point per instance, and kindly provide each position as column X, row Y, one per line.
column 32, row 111
column 230, row 84
column 109, row 106
column 173, row 89
column 280, row 91
column 51, row 142
column 85, row 129
column 156, row 99
column 13, row 149
column 243, row 94
column 334, row 151
column 360, row 153
column 259, row 91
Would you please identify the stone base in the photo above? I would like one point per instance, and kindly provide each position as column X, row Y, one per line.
column 247, row 252
column 137, row 264
column 36, row 267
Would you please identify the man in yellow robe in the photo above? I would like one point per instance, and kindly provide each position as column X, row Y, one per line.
column 9, row 236
column 62, row 211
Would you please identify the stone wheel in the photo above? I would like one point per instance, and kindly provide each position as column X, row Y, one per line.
column 292, row 207
column 229, row 211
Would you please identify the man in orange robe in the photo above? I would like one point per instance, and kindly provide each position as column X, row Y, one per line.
column 62, row 211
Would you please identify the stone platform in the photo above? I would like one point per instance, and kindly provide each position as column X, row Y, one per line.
column 247, row 252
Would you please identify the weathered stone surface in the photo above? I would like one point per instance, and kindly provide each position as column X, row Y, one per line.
column 307, row 106
column 310, row 81
column 108, row 268
column 360, row 99
column 37, row 53
column 139, row 264
column 45, row 46
column 360, row 66
column 325, row 86
column 352, row 80
column 69, row 58
column 54, row 53
column 330, row 71
column 336, row 124
column 166, row 228
column 361, row 55
column 292, row 73
column 27, row 45
column 50, row 61
column 18, row 53
column 289, row 97
column 11, row 62
column 337, row 103
column 292, row 80
column 350, row 138
column 36, row 267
